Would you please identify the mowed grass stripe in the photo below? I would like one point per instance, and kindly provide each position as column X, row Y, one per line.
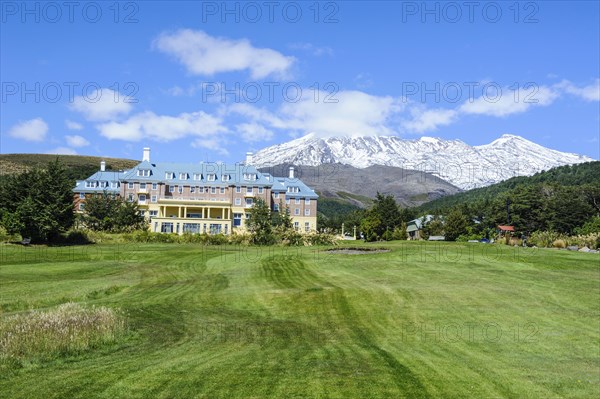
column 224, row 323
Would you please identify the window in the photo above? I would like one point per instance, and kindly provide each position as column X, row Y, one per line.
column 130, row 185
column 307, row 212
column 103, row 184
column 143, row 213
column 225, row 177
column 211, row 177
column 154, row 186
column 296, row 226
column 183, row 176
column 306, row 226
column 166, row 227
column 153, row 198
column 260, row 190
column 194, row 215
column 297, row 201
column 143, row 172
column 238, row 201
column 215, row 228
column 297, row 211
column 222, row 190
column 193, row 228
column 192, row 189
column 200, row 189
column 130, row 197
column 197, row 176
column 250, row 176
column 276, row 207
column 180, row 189
column 276, row 196
column 142, row 186
column 307, row 201
column 90, row 184
column 142, row 198
column 114, row 184
column 237, row 219
column 213, row 190
column 81, row 206
column 153, row 213
column 249, row 202
column 171, row 189
column 293, row 189
column 249, row 190
column 238, row 189
column 82, row 195
column 169, row 175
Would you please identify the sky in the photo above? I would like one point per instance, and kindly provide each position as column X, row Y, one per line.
column 209, row 81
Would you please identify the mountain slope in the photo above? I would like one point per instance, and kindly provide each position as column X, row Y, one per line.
column 359, row 186
column 462, row 165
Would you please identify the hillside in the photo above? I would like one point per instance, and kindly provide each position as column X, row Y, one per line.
column 78, row 166
column 565, row 176
column 358, row 187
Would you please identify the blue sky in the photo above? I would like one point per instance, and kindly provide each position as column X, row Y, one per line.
column 200, row 81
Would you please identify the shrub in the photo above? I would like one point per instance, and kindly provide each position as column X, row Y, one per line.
column 387, row 236
column 69, row 328
column 320, row 239
column 78, row 237
column 559, row 244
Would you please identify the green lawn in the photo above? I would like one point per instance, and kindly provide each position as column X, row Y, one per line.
column 425, row 320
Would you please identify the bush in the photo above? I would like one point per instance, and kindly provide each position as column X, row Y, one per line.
column 320, row 239
column 468, row 237
column 559, row 244
column 77, row 237
column 387, row 236
column 543, row 239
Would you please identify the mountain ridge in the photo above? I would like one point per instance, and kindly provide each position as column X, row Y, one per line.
column 455, row 161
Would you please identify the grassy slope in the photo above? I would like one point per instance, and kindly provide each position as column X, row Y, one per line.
column 16, row 163
column 227, row 323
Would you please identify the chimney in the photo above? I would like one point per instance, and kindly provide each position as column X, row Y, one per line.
column 102, row 166
column 249, row 158
column 291, row 172
column 146, row 156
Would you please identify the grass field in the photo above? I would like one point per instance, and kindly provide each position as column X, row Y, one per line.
column 425, row 320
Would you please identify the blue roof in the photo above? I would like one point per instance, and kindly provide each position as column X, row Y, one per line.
column 110, row 177
column 197, row 174
column 236, row 174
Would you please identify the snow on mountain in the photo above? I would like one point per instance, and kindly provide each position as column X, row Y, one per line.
column 463, row 165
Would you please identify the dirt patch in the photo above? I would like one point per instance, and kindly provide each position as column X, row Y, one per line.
column 357, row 251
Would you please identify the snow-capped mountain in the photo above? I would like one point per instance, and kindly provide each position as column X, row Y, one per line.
column 463, row 165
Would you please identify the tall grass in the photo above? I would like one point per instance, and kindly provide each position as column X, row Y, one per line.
column 69, row 328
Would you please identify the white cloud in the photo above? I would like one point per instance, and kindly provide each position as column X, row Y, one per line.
column 62, row 151
column 148, row 125
column 312, row 49
column 427, row 120
column 76, row 141
column 252, row 132
column 203, row 54
column 101, row 105
column 588, row 93
column 507, row 102
column 31, row 130
column 354, row 114
column 73, row 125
column 214, row 144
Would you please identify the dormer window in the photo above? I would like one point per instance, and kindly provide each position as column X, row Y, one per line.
column 211, row 177
column 143, row 172
column 169, row 175
column 197, row 176
column 293, row 189
column 114, row 184
column 90, row 184
column 225, row 177
column 103, row 184
column 183, row 176
column 250, row 176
